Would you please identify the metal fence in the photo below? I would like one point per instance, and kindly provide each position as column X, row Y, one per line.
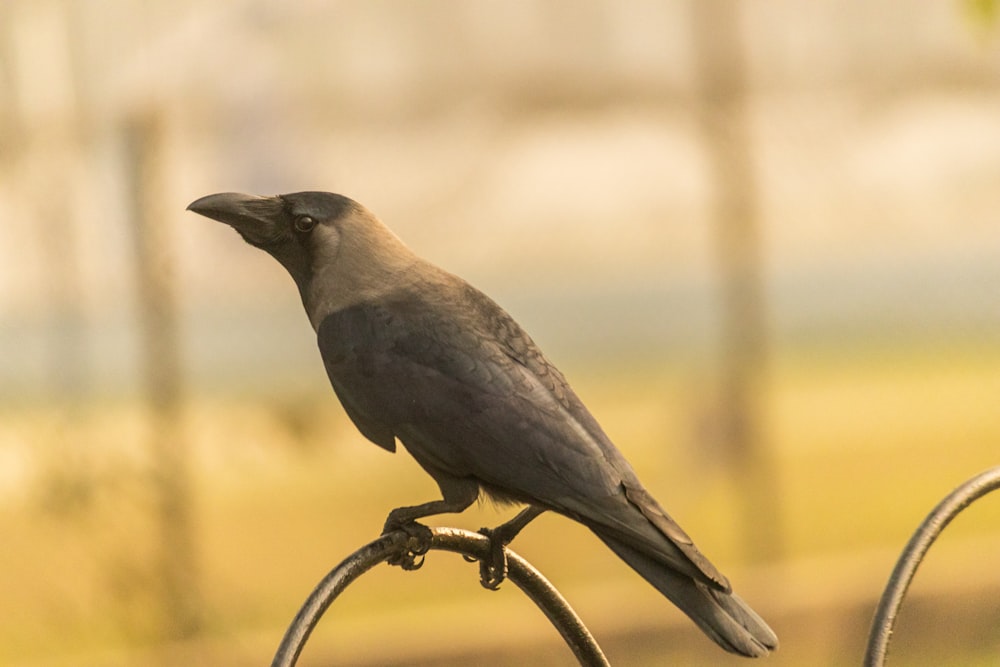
column 476, row 547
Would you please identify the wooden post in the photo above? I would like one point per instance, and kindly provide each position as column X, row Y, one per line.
column 160, row 354
column 720, row 61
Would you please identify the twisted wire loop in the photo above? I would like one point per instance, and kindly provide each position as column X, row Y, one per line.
column 906, row 567
column 473, row 545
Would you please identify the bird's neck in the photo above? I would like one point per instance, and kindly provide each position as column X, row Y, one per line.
column 366, row 267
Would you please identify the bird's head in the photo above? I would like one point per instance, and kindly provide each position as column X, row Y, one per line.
column 337, row 252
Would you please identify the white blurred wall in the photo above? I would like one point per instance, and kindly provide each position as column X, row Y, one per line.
column 546, row 151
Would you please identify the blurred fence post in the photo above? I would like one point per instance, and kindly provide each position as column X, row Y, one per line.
column 720, row 63
column 160, row 359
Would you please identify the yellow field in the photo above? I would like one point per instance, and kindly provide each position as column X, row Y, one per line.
column 865, row 445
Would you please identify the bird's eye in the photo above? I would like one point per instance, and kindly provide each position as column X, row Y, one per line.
column 304, row 223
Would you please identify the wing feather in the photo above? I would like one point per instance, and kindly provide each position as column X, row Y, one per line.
column 469, row 394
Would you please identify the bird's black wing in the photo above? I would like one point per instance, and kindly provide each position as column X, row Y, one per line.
column 454, row 396
column 452, row 376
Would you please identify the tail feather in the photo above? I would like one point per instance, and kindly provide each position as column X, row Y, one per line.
column 724, row 617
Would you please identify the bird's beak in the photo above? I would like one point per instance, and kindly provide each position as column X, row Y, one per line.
column 257, row 219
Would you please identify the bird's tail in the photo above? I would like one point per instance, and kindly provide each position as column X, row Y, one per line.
column 723, row 616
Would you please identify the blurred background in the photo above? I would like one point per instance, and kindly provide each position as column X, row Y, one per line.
column 762, row 241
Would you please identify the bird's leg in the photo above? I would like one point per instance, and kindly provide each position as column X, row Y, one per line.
column 419, row 542
column 493, row 570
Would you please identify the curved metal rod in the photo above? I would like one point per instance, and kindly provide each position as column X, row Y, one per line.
column 913, row 555
column 473, row 545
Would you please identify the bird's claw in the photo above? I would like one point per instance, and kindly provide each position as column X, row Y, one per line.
column 411, row 556
column 493, row 568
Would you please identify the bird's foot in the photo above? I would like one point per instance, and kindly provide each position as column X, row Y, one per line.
column 418, row 543
column 493, row 568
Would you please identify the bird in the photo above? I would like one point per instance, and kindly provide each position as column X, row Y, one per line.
column 418, row 356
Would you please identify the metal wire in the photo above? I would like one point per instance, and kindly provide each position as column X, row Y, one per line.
column 913, row 555
column 523, row 574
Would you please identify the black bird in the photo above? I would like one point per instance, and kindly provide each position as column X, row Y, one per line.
column 416, row 354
